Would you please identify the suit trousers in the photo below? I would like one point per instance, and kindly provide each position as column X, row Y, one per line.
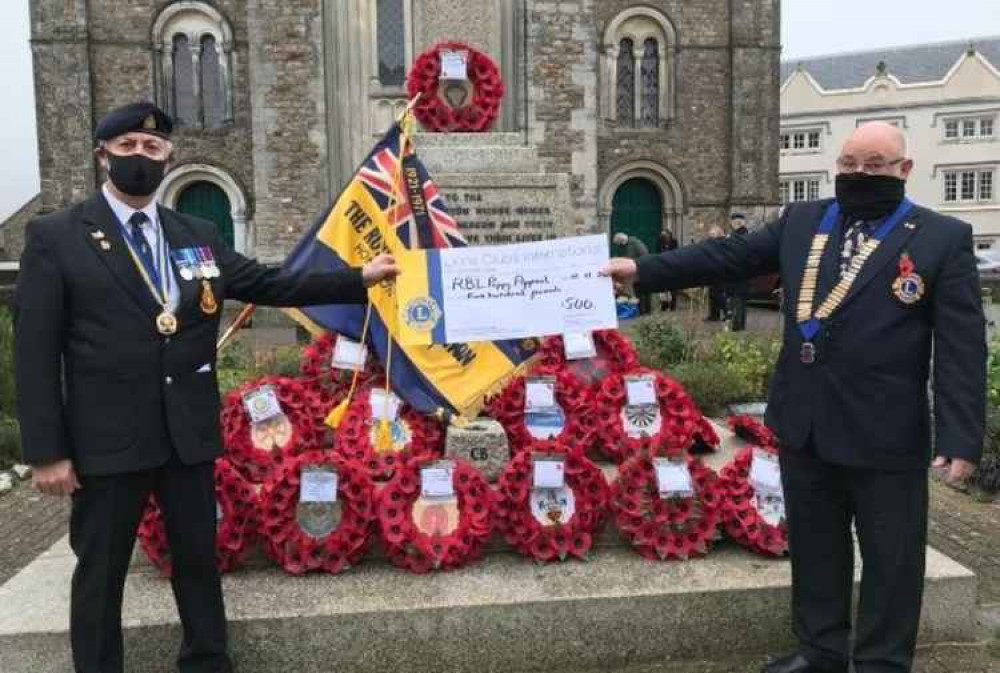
column 103, row 525
column 889, row 512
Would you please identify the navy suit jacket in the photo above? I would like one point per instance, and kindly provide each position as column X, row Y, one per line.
column 865, row 401
column 96, row 383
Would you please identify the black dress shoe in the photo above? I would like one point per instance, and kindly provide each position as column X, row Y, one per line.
column 796, row 663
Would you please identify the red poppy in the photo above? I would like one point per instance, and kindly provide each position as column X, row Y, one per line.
column 289, row 545
column 549, row 542
column 743, row 522
column 659, row 528
column 434, row 114
column 414, row 436
column 435, row 541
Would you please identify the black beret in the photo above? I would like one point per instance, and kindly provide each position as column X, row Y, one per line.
column 737, row 216
column 135, row 117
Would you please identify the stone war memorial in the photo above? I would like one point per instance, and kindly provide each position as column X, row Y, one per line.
column 586, row 516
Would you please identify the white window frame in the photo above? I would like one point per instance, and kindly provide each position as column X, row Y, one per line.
column 969, row 128
column 964, row 185
column 800, row 140
column 798, row 188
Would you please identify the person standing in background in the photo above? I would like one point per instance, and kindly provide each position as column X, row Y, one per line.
column 717, row 291
column 633, row 248
column 738, row 290
column 667, row 243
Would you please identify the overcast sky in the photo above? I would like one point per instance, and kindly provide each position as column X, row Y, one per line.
column 809, row 28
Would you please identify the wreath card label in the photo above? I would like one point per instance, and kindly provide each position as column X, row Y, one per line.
column 454, row 65
column 318, row 512
column 765, row 473
column 540, row 394
column 384, row 406
column 437, row 480
column 579, row 345
column 673, row 478
column 262, row 404
column 640, row 391
column 349, row 355
column 548, row 472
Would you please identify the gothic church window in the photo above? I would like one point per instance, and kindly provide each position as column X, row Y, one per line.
column 645, row 68
column 626, row 84
column 391, row 37
column 651, row 83
column 193, row 49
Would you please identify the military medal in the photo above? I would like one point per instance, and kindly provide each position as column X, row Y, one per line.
column 810, row 322
column 182, row 259
column 908, row 287
column 166, row 323
column 209, row 306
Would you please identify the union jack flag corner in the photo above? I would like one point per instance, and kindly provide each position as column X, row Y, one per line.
column 392, row 204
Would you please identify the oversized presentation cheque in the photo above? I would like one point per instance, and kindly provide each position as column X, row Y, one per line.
column 458, row 295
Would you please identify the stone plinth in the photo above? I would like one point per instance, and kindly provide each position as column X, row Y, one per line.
column 496, row 188
column 482, row 443
column 505, row 614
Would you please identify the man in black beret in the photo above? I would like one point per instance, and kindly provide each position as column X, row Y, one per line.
column 117, row 314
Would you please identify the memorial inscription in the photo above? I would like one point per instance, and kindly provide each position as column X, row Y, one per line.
column 491, row 221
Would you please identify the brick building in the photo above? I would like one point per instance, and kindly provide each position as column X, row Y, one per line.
column 662, row 113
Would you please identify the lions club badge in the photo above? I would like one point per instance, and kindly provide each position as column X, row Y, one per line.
column 422, row 314
column 909, row 286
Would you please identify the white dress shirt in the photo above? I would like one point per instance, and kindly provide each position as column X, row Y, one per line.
column 153, row 233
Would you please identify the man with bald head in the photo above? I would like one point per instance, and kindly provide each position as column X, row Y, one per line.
column 879, row 293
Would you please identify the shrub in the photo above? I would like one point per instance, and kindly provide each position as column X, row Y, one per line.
column 10, row 442
column 660, row 342
column 7, row 389
column 751, row 358
column 713, row 385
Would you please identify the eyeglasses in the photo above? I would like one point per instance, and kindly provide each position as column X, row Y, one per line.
column 157, row 149
column 874, row 167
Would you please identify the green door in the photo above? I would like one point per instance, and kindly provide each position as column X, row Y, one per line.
column 637, row 210
column 207, row 201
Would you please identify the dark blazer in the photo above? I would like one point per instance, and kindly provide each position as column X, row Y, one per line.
column 96, row 382
column 864, row 402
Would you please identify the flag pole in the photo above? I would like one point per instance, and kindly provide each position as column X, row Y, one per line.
column 240, row 320
column 249, row 309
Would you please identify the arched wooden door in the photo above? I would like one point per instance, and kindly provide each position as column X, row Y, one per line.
column 637, row 210
column 208, row 201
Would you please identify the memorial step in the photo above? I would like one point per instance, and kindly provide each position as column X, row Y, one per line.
column 504, row 614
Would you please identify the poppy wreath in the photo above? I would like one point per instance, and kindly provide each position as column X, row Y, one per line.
column 750, row 430
column 572, row 397
column 666, row 528
column 257, row 453
column 236, row 529
column 433, row 113
column 420, row 536
column 295, row 550
column 680, row 421
column 615, row 355
column 743, row 521
column 546, row 543
column 414, row 436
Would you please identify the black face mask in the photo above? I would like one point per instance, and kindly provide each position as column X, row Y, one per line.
column 135, row 174
column 869, row 197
